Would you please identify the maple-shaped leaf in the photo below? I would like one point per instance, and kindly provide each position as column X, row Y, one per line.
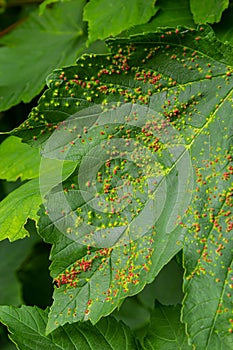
column 150, row 127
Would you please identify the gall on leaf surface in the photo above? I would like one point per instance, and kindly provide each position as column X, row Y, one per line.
column 31, row 322
column 208, row 249
column 141, row 123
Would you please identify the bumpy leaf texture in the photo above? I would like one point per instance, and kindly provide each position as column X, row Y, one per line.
column 150, row 127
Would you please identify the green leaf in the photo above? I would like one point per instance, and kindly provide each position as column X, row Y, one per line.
column 16, row 208
column 208, row 11
column 224, row 29
column 108, row 334
column 133, row 313
column 24, row 202
column 46, row 3
column 106, row 18
column 18, row 160
column 165, row 331
column 92, row 282
column 167, row 286
column 142, row 123
column 12, row 255
column 208, row 251
column 171, row 14
column 47, row 41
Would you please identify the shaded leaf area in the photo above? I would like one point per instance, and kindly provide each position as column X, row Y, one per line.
column 102, row 24
column 141, row 122
column 18, row 160
column 166, row 289
column 165, row 331
column 167, row 286
column 33, row 273
column 31, row 322
column 224, row 29
column 5, row 343
column 53, row 39
column 208, row 11
column 12, row 256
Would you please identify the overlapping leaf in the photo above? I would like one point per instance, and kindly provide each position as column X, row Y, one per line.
column 171, row 13
column 21, row 160
column 18, row 160
column 31, row 322
column 166, row 332
column 138, row 121
column 103, row 24
column 209, row 11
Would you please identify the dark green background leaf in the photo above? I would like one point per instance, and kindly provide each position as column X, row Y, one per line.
column 30, row 52
column 166, row 332
column 12, row 256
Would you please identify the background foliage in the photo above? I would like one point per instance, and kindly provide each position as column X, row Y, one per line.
column 38, row 37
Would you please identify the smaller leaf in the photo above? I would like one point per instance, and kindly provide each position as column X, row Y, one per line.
column 24, row 202
column 208, row 11
column 106, row 18
column 166, row 332
column 16, row 208
column 18, row 160
column 108, row 334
